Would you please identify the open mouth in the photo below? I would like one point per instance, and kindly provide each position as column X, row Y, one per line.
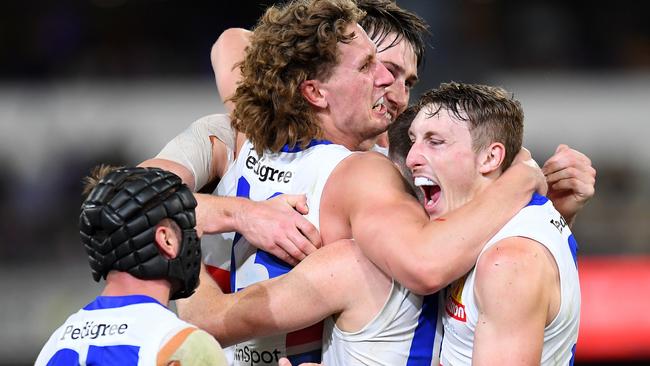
column 430, row 189
column 380, row 108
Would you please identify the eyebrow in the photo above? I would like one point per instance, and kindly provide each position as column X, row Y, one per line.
column 368, row 59
column 400, row 69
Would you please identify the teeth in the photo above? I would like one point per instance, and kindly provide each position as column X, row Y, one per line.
column 422, row 181
column 378, row 103
column 390, row 117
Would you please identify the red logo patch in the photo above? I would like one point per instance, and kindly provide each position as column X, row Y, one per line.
column 455, row 309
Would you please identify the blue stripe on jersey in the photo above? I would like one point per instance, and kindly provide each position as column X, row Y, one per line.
column 110, row 302
column 537, row 200
column 64, row 357
column 243, row 190
column 113, row 355
column 296, row 148
column 573, row 245
column 421, row 352
column 311, row 356
column 573, row 355
column 275, row 266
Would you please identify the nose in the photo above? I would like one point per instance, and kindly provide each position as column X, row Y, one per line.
column 414, row 157
column 398, row 95
column 383, row 77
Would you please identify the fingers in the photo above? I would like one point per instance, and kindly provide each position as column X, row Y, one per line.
column 309, row 231
column 561, row 147
column 578, row 188
column 586, row 176
column 285, row 255
column 284, row 362
column 297, row 201
column 565, row 157
column 571, row 170
column 522, row 155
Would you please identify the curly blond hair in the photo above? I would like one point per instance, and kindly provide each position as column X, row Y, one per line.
column 290, row 44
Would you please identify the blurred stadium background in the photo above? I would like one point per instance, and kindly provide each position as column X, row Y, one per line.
column 111, row 81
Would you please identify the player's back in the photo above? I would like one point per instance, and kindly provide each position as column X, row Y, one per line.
column 122, row 330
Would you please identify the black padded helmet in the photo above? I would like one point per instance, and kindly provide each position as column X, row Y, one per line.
column 117, row 227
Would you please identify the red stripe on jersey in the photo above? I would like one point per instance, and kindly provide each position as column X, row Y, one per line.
column 221, row 277
column 310, row 334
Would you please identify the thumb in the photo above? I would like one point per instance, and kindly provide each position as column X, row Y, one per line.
column 298, row 202
column 522, row 155
column 284, row 362
column 561, row 147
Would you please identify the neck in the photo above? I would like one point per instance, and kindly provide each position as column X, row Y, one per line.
column 484, row 182
column 122, row 284
column 332, row 133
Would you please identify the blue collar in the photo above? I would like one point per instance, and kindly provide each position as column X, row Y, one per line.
column 109, row 302
column 296, row 148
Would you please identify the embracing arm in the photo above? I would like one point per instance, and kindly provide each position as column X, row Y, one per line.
column 226, row 53
column 514, row 285
column 394, row 232
column 200, row 154
column 313, row 290
column 571, row 181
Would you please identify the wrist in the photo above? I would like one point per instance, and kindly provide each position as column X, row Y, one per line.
column 519, row 179
column 237, row 213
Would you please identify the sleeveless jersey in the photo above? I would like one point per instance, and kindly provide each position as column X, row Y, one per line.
column 235, row 264
column 121, row 330
column 541, row 222
column 406, row 331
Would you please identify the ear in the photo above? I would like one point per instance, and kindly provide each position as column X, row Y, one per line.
column 311, row 91
column 491, row 158
column 166, row 240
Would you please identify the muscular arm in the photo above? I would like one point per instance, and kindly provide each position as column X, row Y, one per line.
column 200, row 154
column 394, row 232
column 227, row 52
column 513, row 289
column 321, row 285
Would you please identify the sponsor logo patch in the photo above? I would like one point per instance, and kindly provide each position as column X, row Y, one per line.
column 266, row 172
column 454, row 301
column 93, row 330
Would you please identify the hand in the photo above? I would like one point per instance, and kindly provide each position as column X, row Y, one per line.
column 571, row 181
column 278, row 227
column 285, row 362
column 524, row 158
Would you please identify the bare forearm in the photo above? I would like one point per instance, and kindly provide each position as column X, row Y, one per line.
column 269, row 307
column 206, row 306
column 183, row 172
column 455, row 241
column 219, row 214
column 426, row 256
column 249, row 316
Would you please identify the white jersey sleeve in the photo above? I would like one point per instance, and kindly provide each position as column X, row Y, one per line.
column 192, row 148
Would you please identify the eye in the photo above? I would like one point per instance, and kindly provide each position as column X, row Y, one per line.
column 391, row 69
column 410, row 83
column 435, row 142
column 365, row 66
column 411, row 138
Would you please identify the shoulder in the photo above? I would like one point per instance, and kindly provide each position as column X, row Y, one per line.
column 514, row 267
column 364, row 167
column 213, row 124
column 192, row 347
